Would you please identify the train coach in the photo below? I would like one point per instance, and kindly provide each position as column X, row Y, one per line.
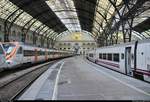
column 14, row 54
column 132, row 58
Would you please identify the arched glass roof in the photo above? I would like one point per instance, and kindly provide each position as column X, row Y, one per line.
column 66, row 12
column 7, row 8
column 103, row 14
column 102, row 18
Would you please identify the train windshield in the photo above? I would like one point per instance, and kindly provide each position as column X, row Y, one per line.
column 1, row 50
column 8, row 47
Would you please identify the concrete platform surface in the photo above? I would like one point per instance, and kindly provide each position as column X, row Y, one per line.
column 43, row 87
column 76, row 78
column 83, row 80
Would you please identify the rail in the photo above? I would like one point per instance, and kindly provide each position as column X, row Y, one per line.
column 10, row 89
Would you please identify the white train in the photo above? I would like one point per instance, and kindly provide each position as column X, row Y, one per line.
column 132, row 58
column 13, row 54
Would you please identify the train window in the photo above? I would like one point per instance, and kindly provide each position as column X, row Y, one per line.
column 1, row 50
column 8, row 47
column 49, row 53
column 92, row 43
column 31, row 37
column 38, row 52
column 132, row 56
column 0, row 27
column 116, row 57
column 29, row 53
column 122, row 56
column 109, row 56
column 148, row 68
column 90, row 55
column 20, row 50
column 14, row 33
column 100, row 56
column 104, row 55
column 42, row 52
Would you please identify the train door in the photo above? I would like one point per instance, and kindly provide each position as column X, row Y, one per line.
column 19, row 55
column 46, row 55
column 128, row 61
column 36, row 55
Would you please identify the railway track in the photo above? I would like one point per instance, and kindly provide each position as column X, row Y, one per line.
column 7, row 72
column 10, row 89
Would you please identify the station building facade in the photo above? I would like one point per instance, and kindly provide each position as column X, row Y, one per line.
column 79, row 42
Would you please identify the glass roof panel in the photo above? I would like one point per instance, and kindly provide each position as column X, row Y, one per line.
column 7, row 8
column 104, row 11
column 145, row 15
column 146, row 33
column 23, row 19
column 66, row 9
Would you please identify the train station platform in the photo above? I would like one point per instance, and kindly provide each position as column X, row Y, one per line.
column 76, row 78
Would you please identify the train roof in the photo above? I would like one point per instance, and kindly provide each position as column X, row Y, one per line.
column 29, row 45
column 128, row 43
column 26, row 44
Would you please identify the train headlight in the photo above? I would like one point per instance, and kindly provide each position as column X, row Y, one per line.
column 8, row 62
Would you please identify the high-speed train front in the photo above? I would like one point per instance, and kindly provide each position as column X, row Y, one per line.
column 10, row 49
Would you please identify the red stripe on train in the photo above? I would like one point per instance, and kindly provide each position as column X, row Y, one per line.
column 143, row 72
column 109, row 63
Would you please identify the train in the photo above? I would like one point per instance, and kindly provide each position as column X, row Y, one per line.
column 15, row 54
column 132, row 58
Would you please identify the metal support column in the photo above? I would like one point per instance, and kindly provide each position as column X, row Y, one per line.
column 9, row 22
